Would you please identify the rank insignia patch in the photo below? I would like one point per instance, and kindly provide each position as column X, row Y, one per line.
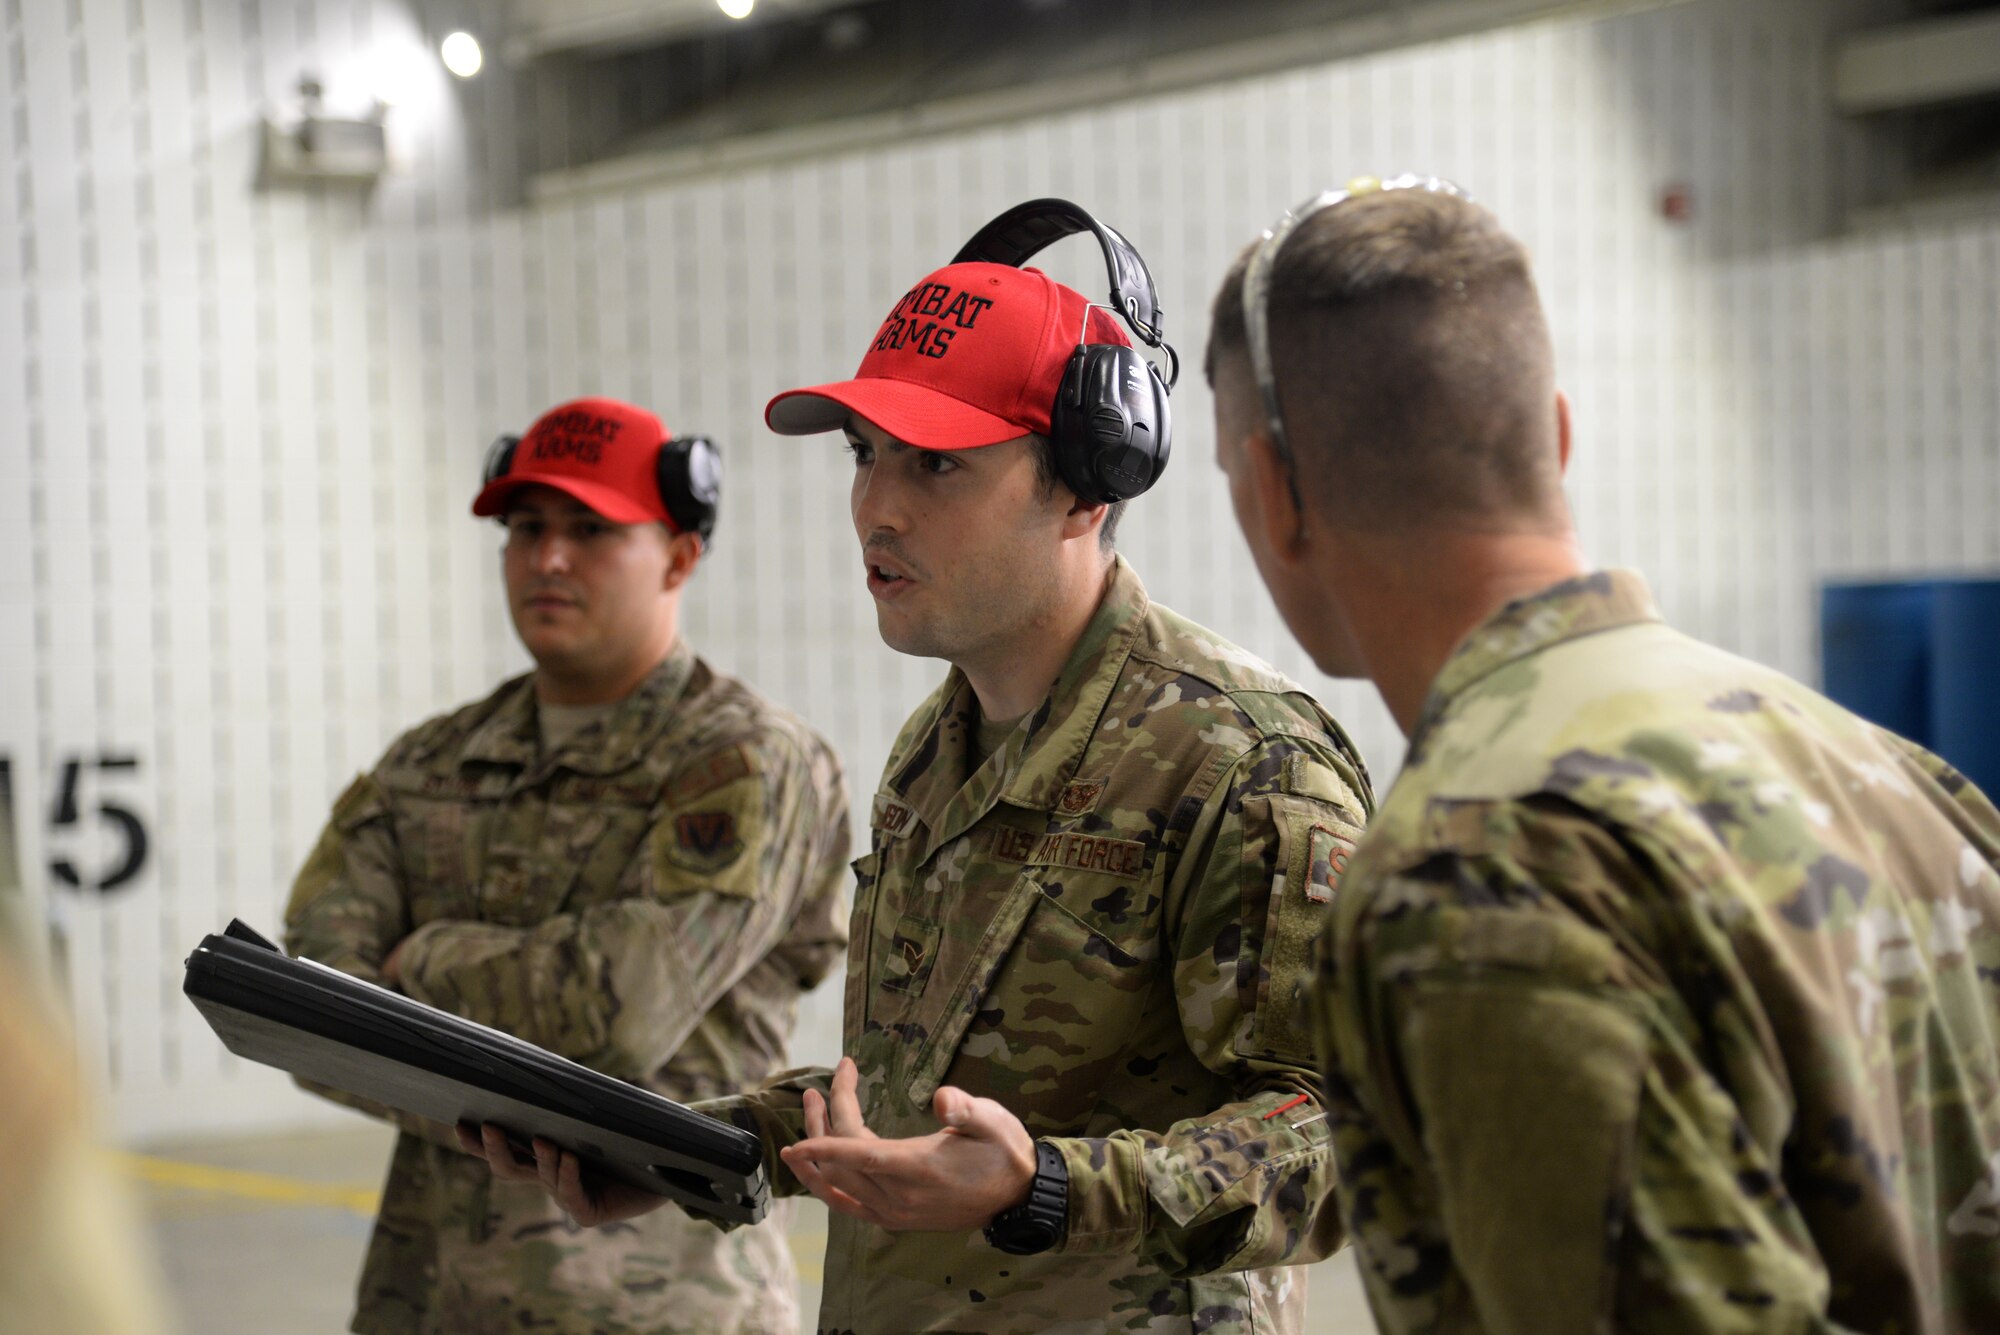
column 705, row 841
column 1079, row 797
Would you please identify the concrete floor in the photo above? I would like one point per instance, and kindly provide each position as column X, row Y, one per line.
column 267, row 1235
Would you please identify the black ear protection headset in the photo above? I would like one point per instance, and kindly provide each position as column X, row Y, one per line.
column 688, row 473
column 1111, row 428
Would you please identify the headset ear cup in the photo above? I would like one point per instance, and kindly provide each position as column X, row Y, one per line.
column 1163, row 419
column 499, row 459
column 1112, row 425
column 690, row 482
column 1070, row 439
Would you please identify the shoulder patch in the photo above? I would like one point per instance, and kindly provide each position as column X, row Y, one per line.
column 1326, row 862
column 705, row 774
column 705, row 841
column 361, row 802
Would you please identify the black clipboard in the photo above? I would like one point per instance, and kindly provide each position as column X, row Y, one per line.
column 337, row 1030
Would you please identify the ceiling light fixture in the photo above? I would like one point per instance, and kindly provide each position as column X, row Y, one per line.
column 461, row 54
column 736, row 9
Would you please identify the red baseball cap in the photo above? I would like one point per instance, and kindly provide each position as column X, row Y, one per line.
column 598, row 451
column 971, row 356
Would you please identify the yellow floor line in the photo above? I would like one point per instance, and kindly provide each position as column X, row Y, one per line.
column 807, row 1249
column 361, row 1200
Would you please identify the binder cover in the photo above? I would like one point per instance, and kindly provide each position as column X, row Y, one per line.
column 337, row 1030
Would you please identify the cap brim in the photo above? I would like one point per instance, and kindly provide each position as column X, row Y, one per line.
column 915, row 414
column 609, row 502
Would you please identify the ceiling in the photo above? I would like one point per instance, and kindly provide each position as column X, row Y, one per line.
column 657, row 89
column 544, row 27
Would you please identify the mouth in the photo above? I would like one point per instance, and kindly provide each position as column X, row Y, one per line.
column 886, row 581
column 549, row 602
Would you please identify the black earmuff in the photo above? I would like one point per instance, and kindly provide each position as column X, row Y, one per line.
column 688, row 473
column 499, row 458
column 690, row 478
column 1111, row 426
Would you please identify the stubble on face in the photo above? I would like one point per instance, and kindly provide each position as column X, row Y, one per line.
column 983, row 546
column 594, row 610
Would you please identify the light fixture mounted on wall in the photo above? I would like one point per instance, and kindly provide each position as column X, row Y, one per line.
column 313, row 147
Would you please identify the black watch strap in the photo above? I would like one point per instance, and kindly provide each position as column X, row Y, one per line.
column 1038, row 1223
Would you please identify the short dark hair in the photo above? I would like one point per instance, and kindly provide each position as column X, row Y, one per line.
column 1045, row 472
column 1413, row 362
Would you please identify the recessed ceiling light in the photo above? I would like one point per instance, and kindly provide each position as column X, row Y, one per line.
column 461, row 54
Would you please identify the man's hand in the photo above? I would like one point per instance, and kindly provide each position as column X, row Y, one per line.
column 979, row 1163
column 586, row 1197
column 392, row 968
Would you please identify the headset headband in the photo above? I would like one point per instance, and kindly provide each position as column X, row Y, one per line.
column 1021, row 232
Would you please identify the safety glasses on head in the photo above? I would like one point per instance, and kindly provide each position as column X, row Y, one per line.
column 1257, row 289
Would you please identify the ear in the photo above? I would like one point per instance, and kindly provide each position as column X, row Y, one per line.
column 684, row 552
column 1271, row 488
column 1563, row 437
column 1082, row 518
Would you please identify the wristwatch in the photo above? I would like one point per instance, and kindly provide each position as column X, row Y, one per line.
column 1038, row 1223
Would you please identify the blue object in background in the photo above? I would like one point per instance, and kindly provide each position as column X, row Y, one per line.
column 1921, row 658
column 1875, row 653
column 1965, row 664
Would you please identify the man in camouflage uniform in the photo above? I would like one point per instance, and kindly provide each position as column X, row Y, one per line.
column 1664, row 994
column 622, row 856
column 1099, row 854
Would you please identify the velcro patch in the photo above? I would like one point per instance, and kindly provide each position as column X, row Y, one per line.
column 707, row 773
column 1080, row 797
column 892, row 817
column 1078, row 852
column 1326, row 863
column 705, row 841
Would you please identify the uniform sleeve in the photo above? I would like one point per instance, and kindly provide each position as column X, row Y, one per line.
column 1524, row 1131
column 348, row 910
column 1251, row 1183
column 618, row 986
column 775, row 1113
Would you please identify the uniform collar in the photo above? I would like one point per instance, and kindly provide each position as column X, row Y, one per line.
column 1584, row 605
column 1040, row 757
column 511, row 734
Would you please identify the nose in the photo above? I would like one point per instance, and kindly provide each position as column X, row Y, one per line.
column 551, row 553
column 877, row 502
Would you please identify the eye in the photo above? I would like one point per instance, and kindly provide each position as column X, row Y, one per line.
column 861, row 452
column 592, row 528
column 937, row 463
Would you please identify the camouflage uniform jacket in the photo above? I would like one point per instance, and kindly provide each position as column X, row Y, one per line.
column 1664, row 996
column 649, row 899
column 1106, row 926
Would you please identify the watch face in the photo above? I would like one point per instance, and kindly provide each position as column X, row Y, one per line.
column 1022, row 1235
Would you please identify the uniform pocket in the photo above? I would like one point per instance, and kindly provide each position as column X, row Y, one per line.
column 1313, row 847
column 1041, row 1016
column 946, row 1020
column 854, row 1000
column 908, row 957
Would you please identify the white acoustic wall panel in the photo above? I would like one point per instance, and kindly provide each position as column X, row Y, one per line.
column 244, row 425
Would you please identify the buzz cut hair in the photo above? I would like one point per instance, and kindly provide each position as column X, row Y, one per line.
column 1414, row 366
